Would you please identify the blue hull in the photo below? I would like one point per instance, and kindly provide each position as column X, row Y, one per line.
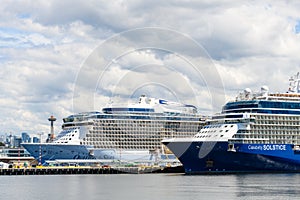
column 214, row 157
column 46, row 151
column 43, row 152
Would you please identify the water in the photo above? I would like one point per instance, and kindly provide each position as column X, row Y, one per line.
column 151, row 186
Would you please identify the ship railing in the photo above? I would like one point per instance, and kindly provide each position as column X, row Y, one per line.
column 275, row 96
column 248, row 140
column 231, row 120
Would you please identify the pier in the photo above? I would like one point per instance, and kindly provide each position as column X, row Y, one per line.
column 87, row 170
column 56, row 171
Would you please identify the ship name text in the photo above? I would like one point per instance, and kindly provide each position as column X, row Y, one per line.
column 268, row 147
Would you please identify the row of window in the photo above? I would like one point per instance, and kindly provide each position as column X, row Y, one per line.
column 206, row 136
column 152, row 125
column 267, row 142
column 213, row 131
column 142, row 139
column 269, row 132
column 150, row 120
column 276, row 126
column 143, row 131
column 277, row 122
column 277, row 117
column 265, row 137
column 144, row 128
column 129, row 146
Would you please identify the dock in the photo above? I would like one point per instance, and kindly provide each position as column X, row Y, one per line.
column 86, row 170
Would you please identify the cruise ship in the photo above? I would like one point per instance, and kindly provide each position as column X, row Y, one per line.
column 131, row 132
column 257, row 132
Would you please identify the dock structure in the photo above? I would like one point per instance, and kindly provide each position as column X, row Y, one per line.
column 56, row 171
column 86, row 170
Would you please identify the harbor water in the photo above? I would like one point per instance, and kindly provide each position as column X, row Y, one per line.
column 150, row 186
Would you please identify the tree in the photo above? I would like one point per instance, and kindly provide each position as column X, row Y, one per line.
column 2, row 144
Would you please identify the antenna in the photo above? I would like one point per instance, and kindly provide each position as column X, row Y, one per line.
column 294, row 84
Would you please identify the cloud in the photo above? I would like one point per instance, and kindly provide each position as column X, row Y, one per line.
column 54, row 54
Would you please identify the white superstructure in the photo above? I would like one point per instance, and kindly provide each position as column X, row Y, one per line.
column 127, row 131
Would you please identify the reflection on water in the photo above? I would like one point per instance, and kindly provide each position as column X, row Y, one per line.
column 151, row 186
column 269, row 186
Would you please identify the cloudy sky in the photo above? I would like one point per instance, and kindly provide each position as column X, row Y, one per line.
column 60, row 57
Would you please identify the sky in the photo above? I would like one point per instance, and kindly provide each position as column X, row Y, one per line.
column 63, row 57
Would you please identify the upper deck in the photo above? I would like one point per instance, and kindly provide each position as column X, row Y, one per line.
column 265, row 102
column 146, row 108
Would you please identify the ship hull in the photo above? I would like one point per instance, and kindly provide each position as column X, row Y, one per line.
column 215, row 157
column 45, row 151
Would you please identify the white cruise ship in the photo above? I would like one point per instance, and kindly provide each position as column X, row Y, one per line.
column 129, row 133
